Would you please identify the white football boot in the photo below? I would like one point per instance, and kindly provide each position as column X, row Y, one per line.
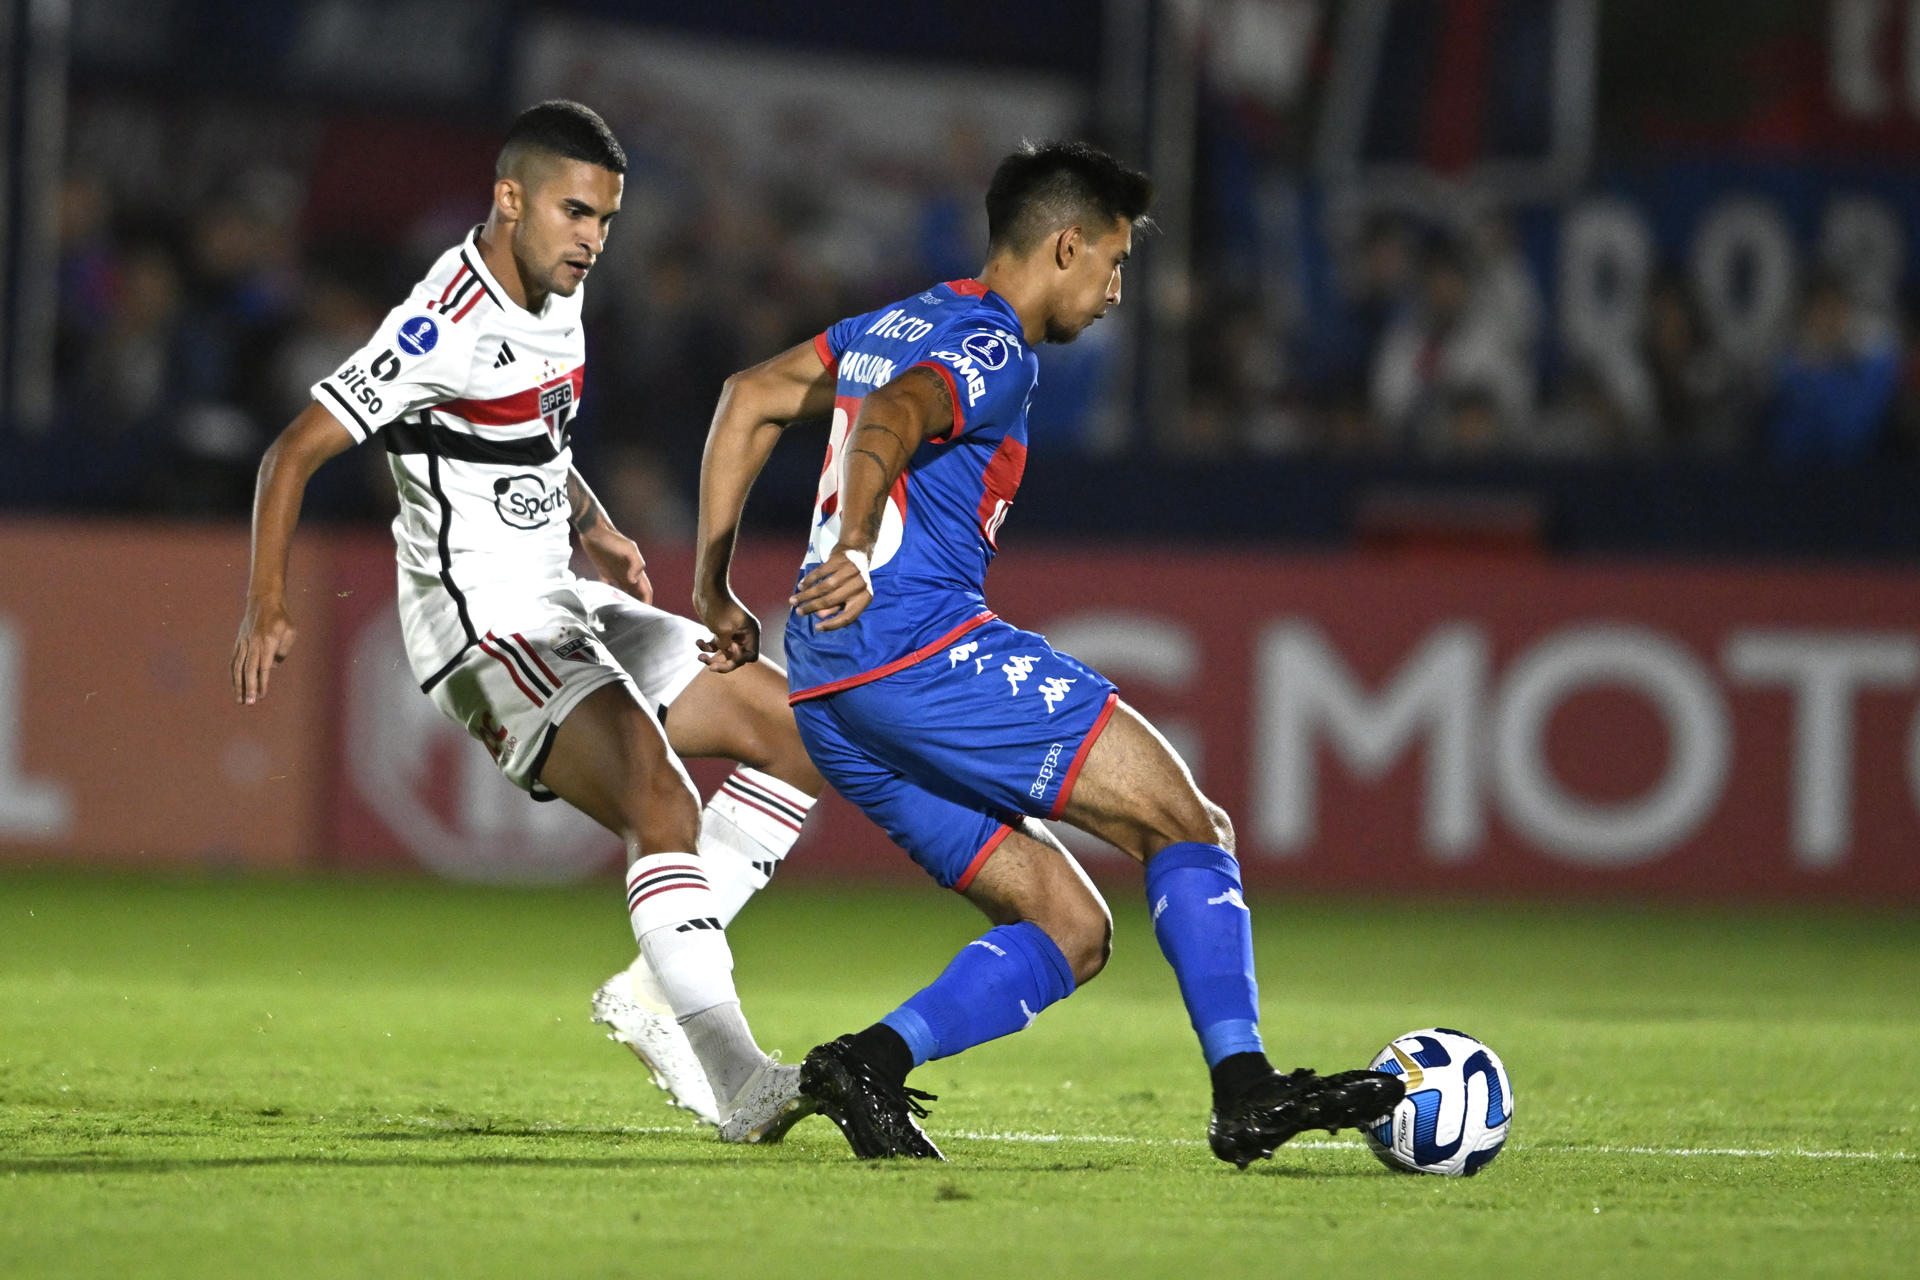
column 770, row 1103
column 660, row 1044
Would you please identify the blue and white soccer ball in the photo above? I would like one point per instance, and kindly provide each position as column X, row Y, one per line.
column 1458, row 1107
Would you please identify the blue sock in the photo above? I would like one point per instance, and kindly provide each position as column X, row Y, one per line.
column 993, row 988
column 1206, row 934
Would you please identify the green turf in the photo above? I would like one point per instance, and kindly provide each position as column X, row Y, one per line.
column 289, row 1079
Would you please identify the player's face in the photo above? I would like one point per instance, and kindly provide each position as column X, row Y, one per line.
column 1092, row 282
column 563, row 223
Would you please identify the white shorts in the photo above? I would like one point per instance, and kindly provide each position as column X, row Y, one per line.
column 532, row 668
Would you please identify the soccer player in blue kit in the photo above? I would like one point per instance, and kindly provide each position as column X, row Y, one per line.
column 953, row 729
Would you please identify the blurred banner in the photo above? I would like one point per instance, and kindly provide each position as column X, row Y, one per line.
column 1382, row 724
column 120, row 743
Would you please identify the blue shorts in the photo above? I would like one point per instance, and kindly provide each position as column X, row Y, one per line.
column 944, row 755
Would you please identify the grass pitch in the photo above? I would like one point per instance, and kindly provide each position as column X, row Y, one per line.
column 215, row 1078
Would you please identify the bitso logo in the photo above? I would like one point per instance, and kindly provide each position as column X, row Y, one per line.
column 525, row 502
column 990, row 351
column 418, row 336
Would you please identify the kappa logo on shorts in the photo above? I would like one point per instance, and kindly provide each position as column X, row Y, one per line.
column 1054, row 688
column 961, row 652
column 1044, row 779
column 1016, row 669
column 578, row 649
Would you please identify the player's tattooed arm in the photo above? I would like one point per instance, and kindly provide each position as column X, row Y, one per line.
column 583, row 505
column 615, row 556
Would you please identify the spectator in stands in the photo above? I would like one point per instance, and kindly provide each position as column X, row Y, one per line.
column 1906, row 405
column 1504, row 290
column 1834, row 386
column 1441, row 346
column 1376, row 284
column 1697, row 400
column 1604, row 407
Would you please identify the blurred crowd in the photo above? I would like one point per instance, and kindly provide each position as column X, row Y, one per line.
column 1436, row 344
column 193, row 319
column 195, row 314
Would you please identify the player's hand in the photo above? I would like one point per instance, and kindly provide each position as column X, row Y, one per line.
column 617, row 559
column 266, row 638
column 736, row 634
column 836, row 592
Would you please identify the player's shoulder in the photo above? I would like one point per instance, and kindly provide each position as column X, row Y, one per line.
column 985, row 335
column 456, row 302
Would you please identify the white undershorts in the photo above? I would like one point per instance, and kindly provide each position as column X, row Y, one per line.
column 533, row 666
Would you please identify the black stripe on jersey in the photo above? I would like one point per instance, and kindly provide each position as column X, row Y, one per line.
column 428, row 436
column 476, row 275
column 426, row 686
column 466, row 286
column 520, row 661
column 446, row 555
column 344, row 404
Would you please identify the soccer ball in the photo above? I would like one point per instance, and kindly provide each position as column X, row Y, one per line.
column 1458, row 1107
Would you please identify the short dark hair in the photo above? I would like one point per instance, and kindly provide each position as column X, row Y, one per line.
column 1045, row 186
column 560, row 128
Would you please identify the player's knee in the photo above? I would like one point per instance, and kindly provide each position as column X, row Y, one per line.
column 1219, row 825
column 1193, row 819
column 661, row 812
column 1085, row 938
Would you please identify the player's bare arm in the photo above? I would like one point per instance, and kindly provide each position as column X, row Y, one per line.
column 266, row 631
column 756, row 405
column 894, row 421
column 615, row 556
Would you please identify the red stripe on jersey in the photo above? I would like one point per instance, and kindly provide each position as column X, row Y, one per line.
column 953, row 395
column 507, row 411
column 447, row 292
column 544, row 668
column 461, row 314
column 824, row 349
column 898, row 664
column 1008, row 464
column 502, row 660
column 968, row 288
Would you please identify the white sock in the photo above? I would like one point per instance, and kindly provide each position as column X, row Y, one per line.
column 676, row 924
column 748, row 827
column 683, row 944
column 725, row 1047
column 746, row 831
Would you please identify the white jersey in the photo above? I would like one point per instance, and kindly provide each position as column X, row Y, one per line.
column 473, row 396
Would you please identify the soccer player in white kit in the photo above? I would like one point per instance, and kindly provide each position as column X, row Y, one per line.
column 579, row 689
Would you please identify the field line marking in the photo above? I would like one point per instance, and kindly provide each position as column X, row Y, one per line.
column 1307, row 1144
column 1322, row 1144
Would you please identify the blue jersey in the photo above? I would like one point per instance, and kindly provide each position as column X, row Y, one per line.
column 939, row 523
